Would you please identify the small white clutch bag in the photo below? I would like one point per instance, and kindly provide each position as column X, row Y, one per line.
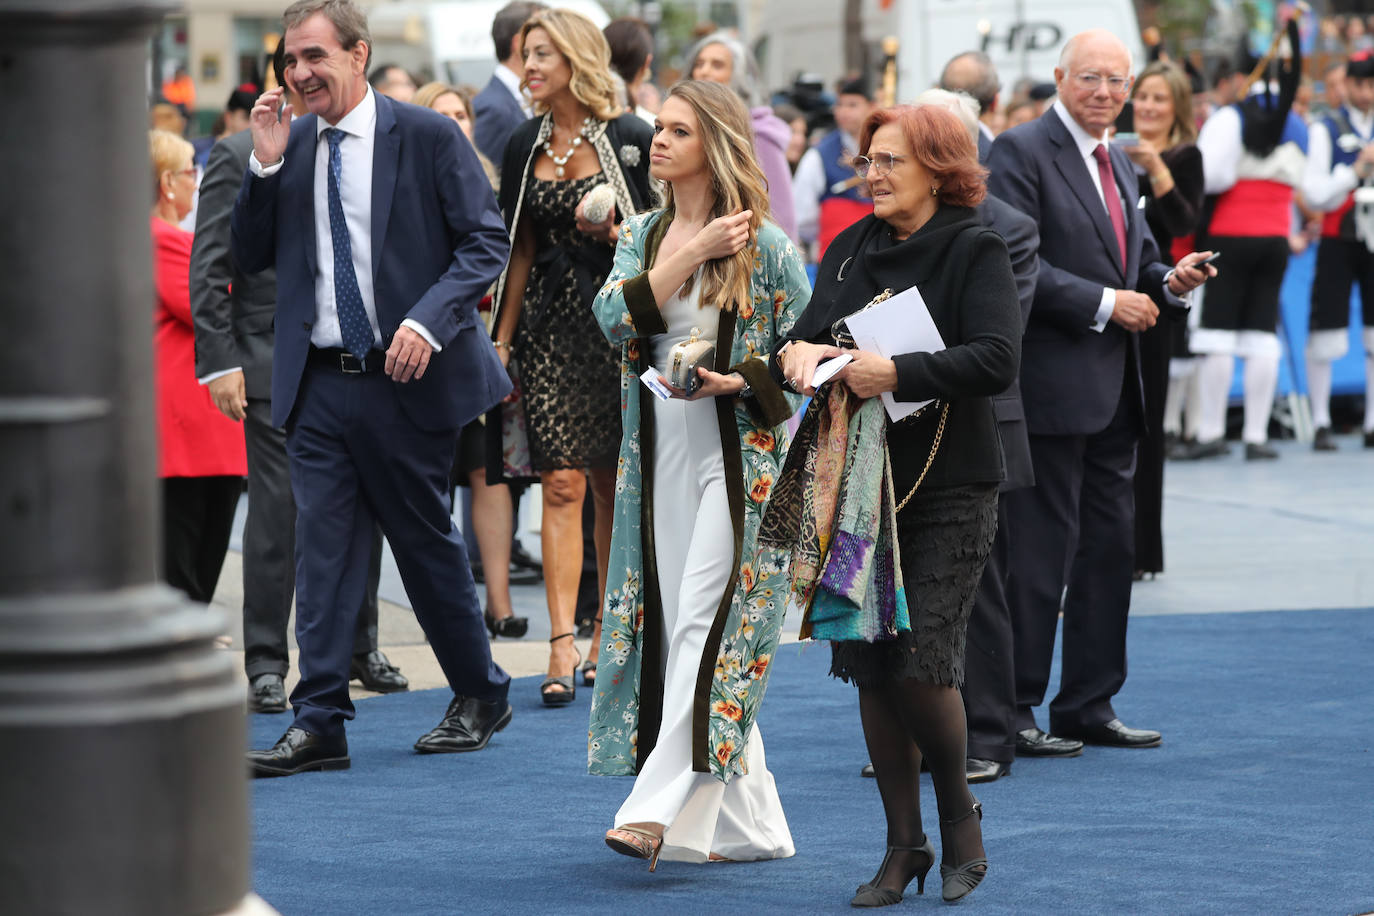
column 598, row 203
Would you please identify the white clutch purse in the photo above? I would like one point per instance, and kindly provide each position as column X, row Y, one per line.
column 598, row 203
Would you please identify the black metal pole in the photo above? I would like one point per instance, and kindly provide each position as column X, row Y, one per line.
column 122, row 785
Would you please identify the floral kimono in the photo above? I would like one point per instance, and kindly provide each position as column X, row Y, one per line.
column 628, row 699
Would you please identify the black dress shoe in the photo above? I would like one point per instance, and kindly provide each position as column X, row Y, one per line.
column 1259, row 452
column 1116, row 734
column 298, row 751
column 267, row 693
column 1199, row 451
column 520, row 557
column 1032, row 742
column 467, row 726
column 980, row 770
column 377, row 673
column 1369, row 439
column 1323, row 441
column 867, row 771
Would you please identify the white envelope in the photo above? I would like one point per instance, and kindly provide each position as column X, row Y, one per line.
column 901, row 324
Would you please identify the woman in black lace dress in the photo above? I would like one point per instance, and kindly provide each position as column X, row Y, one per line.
column 1171, row 183
column 566, row 425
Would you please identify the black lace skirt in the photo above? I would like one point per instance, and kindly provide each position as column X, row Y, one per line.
column 945, row 535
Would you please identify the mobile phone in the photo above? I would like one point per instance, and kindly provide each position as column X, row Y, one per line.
column 1205, row 261
column 1126, row 138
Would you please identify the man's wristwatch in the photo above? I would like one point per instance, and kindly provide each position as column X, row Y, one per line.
column 746, row 391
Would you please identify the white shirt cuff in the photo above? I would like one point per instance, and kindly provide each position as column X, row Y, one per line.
column 264, row 171
column 207, row 379
column 1344, row 177
column 422, row 331
column 1104, row 310
column 1169, row 295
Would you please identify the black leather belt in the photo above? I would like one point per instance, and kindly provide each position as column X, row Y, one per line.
column 340, row 360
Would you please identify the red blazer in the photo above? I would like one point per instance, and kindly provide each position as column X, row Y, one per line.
column 195, row 439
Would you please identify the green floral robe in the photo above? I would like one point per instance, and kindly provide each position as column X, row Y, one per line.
column 626, row 705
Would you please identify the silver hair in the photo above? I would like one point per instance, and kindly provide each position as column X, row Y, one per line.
column 964, row 106
column 744, row 73
column 1071, row 46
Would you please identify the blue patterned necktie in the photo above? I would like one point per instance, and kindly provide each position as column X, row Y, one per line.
column 353, row 323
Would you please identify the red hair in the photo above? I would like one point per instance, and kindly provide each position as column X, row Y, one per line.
column 941, row 144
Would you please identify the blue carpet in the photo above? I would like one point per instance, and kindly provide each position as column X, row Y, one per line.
column 1260, row 801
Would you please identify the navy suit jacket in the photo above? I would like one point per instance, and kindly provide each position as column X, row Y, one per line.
column 438, row 243
column 1072, row 376
column 496, row 114
column 1023, row 242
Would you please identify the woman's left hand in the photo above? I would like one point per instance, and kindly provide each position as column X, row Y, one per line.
column 1146, row 156
column 713, row 384
column 869, row 375
column 603, row 231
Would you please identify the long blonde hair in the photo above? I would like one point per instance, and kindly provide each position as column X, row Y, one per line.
column 1183, row 130
column 588, row 55
column 737, row 183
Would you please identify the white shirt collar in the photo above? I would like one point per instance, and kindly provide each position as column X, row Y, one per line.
column 360, row 122
column 1363, row 123
column 1085, row 141
column 511, row 82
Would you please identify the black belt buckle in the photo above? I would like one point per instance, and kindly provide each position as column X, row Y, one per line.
column 351, row 365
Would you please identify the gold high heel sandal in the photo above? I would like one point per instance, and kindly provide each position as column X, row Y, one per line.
column 635, row 843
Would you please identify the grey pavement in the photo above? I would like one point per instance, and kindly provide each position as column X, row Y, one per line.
column 1291, row 534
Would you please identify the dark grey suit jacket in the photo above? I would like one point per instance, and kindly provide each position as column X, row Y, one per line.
column 1023, row 242
column 1072, row 376
column 496, row 115
column 231, row 311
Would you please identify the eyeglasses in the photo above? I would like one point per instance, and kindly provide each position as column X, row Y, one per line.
column 1090, row 82
column 879, row 164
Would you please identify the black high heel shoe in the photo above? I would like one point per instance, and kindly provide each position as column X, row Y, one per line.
column 511, row 627
column 872, row 895
column 568, row 693
column 589, row 666
column 960, row 880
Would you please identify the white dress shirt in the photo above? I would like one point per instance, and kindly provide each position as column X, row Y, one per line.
column 512, row 82
column 355, row 194
column 1323, row 186
column 809, row 186
column 1086, row 143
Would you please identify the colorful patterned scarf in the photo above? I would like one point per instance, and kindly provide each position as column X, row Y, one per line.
column 832, row 510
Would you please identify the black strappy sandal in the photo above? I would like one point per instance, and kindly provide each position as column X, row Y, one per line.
column 568, row 693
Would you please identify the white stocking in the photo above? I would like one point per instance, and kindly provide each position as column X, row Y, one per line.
column 1319, row 391
column 1261, row 380
column 1214, row 384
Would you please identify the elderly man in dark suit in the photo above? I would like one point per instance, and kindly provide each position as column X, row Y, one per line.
column 1099, row 281
column 385, row 235
column 232, row 313
column 500, row 107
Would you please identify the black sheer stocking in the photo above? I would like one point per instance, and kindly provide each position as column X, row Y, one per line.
column 897, row 766
column 917, row 719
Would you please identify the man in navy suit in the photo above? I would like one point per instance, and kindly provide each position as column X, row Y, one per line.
column 385, row 235
column 1099, row 281
column 500, row 107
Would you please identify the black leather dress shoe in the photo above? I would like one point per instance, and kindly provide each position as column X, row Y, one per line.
column 267, row 693
column 468, row 726
column 980, row 770
column 1323, row 441
column 1259, row 452
column 298, row 751
column 1116, row 734
column 377, row 673
column 1032, row 742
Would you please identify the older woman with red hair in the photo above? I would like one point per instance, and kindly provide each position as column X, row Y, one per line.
column 946, row 462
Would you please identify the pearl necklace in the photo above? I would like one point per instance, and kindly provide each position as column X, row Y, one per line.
column 560, row 161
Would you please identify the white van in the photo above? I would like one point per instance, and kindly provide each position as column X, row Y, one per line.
column 1023, row 37
column 448, row 41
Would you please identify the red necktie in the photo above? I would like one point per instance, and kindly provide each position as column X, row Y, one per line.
column 1113, row 198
